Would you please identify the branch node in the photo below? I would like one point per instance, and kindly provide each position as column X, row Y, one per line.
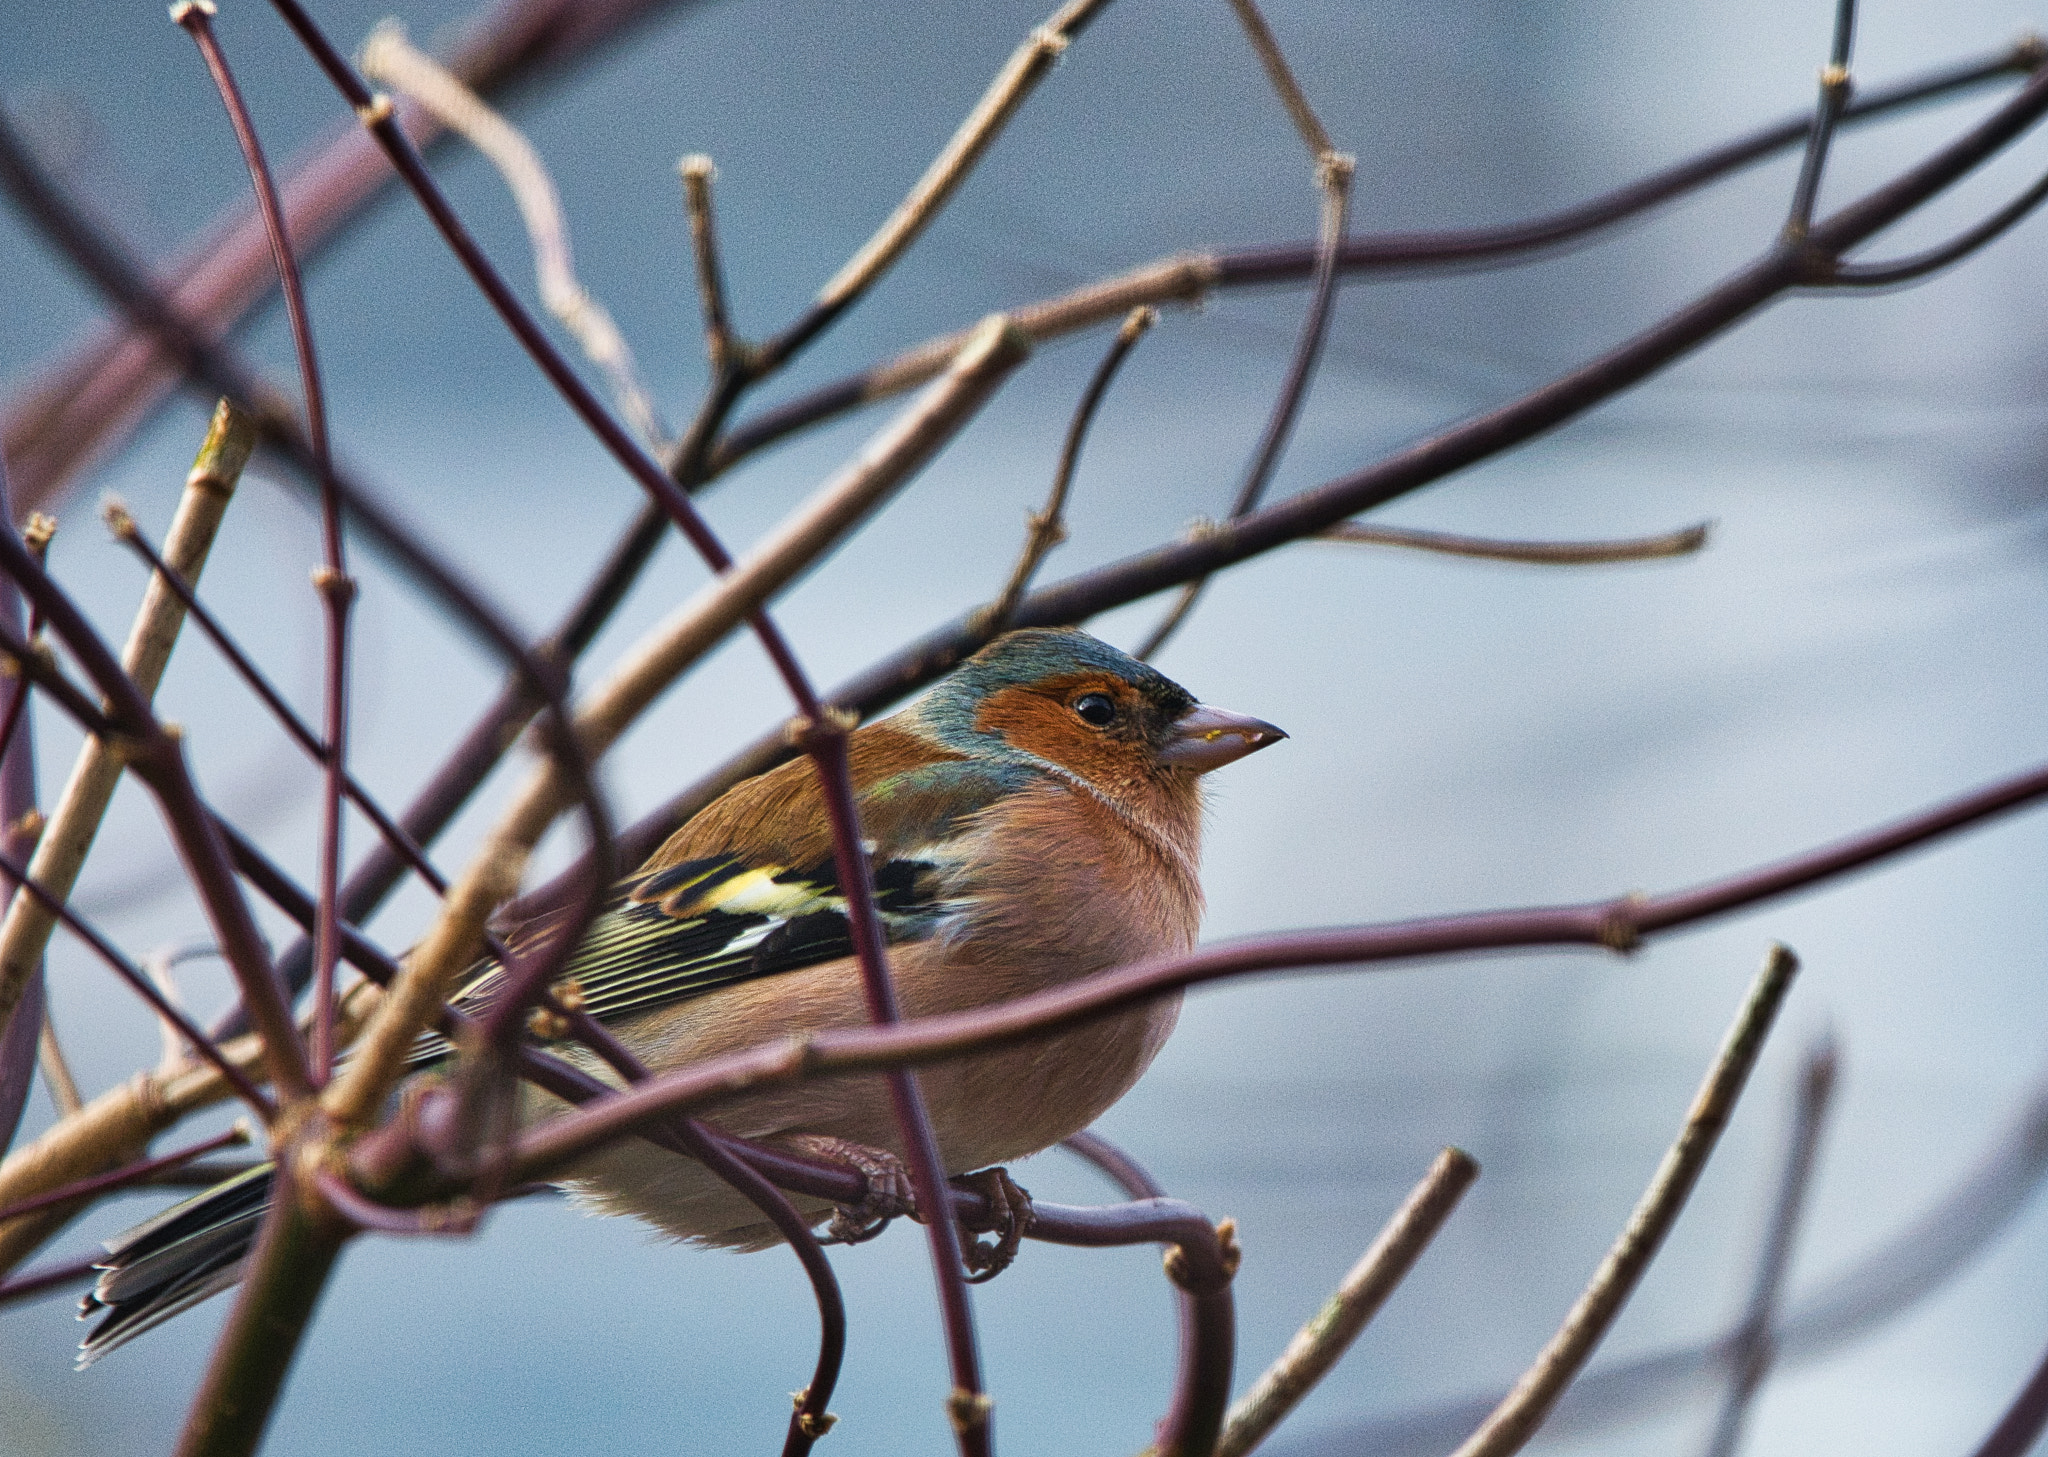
column 968, row 1410
column 184, row 10
column 833, row 722
column 812, row 1425
column 1620, row 931
column 376, row 111
column 38, row 533
column 114, row 511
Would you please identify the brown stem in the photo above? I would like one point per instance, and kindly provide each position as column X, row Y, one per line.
column 1537, row 553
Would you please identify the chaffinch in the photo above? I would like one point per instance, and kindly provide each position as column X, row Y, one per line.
column 1032, row 818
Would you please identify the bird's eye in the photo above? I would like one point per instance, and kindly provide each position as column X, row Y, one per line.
column 1096, row 709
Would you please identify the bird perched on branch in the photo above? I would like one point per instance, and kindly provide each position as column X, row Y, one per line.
column 1033, row 818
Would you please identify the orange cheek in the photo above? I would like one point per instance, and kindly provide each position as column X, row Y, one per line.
column 1045, row 726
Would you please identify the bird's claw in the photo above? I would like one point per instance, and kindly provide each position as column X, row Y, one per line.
column 889, row 1191
column 1009, row 1215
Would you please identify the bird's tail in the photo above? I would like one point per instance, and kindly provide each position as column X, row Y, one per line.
column 190, row 1251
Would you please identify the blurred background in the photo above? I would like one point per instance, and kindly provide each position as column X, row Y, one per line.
column 1852, row 644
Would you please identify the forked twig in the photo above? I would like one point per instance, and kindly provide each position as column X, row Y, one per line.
column 1516, row 1419
column 1047, row 527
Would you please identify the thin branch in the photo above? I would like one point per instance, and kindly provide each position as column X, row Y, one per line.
column 1834, row 96
column 2023, row 1422
column 1515, row 1420
column 72, row 824
column 1027, row 66
column 1281, row 76
column 722, row 350
column 1754, row 1348
column 1333, row 174
column 1933, row 260
column 1047, row 528
column 141, row 1173
column 51, row 1279
column 1682, row 542
column 1121, row 1169
column 336, row 589
column 388, row 57
column 1318, row 1345
column 29, row 888
column 125, row 530
column 56, row 1071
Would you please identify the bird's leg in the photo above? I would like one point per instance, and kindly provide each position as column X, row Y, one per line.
column 1009, row 1215
column 889, row 1192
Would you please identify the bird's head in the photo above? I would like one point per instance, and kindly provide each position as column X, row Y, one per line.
column 1063, row 697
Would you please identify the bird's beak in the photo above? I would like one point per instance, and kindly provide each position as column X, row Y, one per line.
column 1206, row 738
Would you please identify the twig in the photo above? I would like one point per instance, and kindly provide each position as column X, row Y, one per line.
column 124, row 529
column 388, row 57
column 1281, row 77
column 1753, row 1350
column 1538, row 553
column 1333, row 175
column 1027, row 66
column 1933, row 260
column 1515, row 1420
column 68, row 835
column 1319, row 1345
column 1834, row 96
column 1122, row 1170
column 2023, row 1422
column 336, row 588
column 51, row 1279
column 56, row 1071
column 1188, row 278
column 721, row 349
column 1047, row 528
column 29, row 888
column 134, row 1174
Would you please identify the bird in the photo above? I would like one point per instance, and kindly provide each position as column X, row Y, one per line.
column 1032, row 818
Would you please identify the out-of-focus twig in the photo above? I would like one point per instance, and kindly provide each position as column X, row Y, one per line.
column 1333, row 170
column 722, row 350
column 1515, row 1420
column 1753, row 1350
column 387, row 56
column 1317, row 1346
column 1047, row 528
column 56, row 1071
column 68, row 835
column 1537, row 553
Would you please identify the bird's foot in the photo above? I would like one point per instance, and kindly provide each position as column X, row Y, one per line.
column 1009, row 1215
column 889, row 1191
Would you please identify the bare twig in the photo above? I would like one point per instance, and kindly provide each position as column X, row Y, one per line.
column 387, row 56
column 1515, row 1420
column 1281, row 77
column 1333, row 175
column 124, row 529
column 723, row 351
column 336, row 588
column 1027, row 66
column 56, row 1071
column 1933, row 260
column 2023, row 1422
column 1047, row 528
column 1754, row 1347
column 141, row 1173
column 1539, row 553
column 1318, row 1345
column 68, row 835
column 1834, row 97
